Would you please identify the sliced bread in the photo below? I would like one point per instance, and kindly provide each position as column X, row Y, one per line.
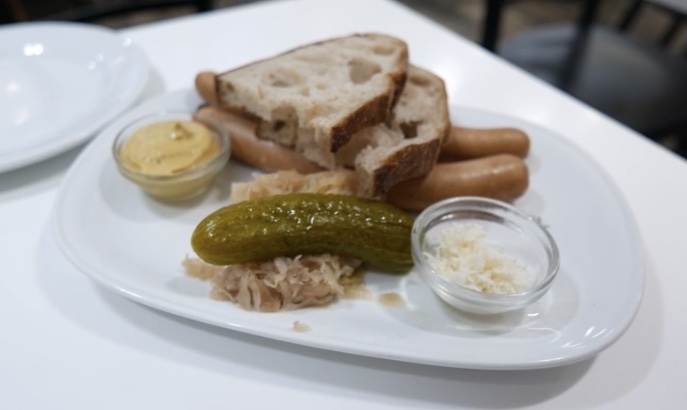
column 409, row 147
column 314, row 98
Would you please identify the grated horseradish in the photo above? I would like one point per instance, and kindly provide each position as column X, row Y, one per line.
column 462, row 256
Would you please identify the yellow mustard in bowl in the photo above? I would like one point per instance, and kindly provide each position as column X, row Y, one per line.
column 169, row 147
column 171, row 156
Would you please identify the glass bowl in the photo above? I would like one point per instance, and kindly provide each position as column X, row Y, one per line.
column 483, row 256
column 187, row 183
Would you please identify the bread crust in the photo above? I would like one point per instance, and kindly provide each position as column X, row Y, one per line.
column 376, row 111
column 407, row 163
column 422, row 117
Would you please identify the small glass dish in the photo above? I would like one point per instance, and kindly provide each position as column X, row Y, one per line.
column 180, row 185
column 508, row 231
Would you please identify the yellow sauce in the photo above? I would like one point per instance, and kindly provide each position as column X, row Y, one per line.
column 392, row 300
column 168, row 148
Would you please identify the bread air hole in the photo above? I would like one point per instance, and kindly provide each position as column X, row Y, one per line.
column 277, row 125
column 284, row 78
column 361, row 71
column 283, row 115
column 409, row 128
column 281, row 127
column 383, row 50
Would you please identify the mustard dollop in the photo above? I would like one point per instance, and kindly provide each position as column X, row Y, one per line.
column 169, row 147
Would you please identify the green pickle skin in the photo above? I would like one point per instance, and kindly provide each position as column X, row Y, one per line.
column 372, row 231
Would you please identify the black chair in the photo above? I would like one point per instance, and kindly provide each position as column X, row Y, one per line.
column 96, row 11
column 640, row 82
column 12, row 11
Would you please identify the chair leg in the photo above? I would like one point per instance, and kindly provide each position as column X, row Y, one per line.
column 672, row 30
column 578, row 48
column 630, row 15
column 203, row 5
column 92, row 12
column 492, row 24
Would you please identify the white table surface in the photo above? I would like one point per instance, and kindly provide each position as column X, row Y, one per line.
column 65, row 343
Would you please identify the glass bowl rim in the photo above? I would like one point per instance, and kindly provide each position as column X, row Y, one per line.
column 423, row 223
column 216, row 161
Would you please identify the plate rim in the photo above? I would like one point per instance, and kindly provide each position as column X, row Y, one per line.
column 183, row 311
column 136, row 58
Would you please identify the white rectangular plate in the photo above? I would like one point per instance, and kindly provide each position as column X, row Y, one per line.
column 134, row 245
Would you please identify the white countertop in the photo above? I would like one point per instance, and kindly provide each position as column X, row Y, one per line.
column 66, row 343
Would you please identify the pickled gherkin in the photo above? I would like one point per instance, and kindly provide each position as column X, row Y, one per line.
column 372, row 231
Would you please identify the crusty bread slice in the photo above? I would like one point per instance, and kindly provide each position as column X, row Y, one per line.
column 315, row 97
column 410, row 146
column 382, row 155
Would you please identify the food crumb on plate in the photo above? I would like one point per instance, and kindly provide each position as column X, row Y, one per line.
column 300, row 327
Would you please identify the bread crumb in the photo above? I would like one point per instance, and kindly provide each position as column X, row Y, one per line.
column 300, row 327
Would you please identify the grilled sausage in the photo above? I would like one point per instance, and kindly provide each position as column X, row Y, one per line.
column 467, row 143
column 206, row 86
column 502, row 176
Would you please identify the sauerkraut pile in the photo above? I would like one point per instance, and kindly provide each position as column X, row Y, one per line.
column 283, row 283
